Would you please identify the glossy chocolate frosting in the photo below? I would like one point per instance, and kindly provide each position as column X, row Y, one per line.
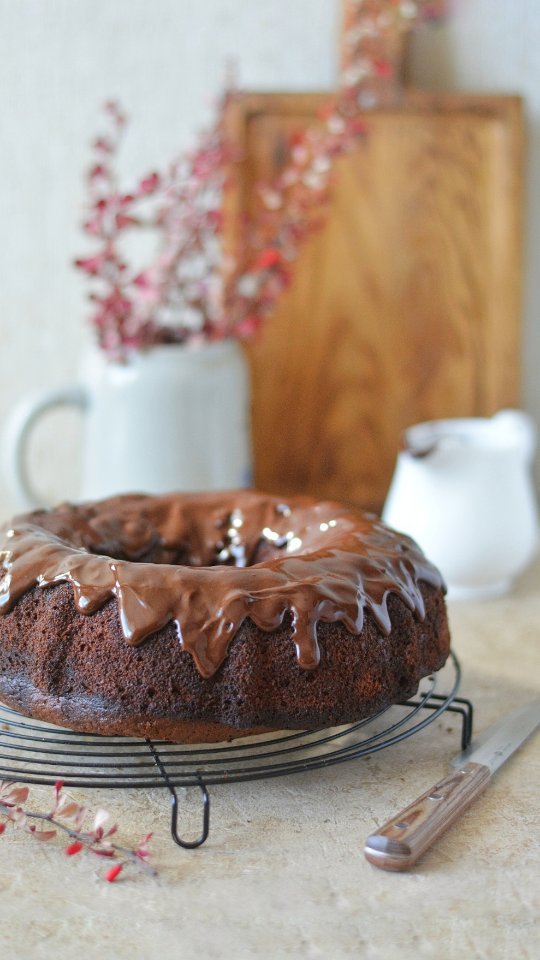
column 209, row 561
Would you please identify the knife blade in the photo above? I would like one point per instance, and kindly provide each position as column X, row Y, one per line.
column 404, row 838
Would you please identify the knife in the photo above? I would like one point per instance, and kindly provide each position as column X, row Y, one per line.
column 399, row 844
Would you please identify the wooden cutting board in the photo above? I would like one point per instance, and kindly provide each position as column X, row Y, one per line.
column 405, row 306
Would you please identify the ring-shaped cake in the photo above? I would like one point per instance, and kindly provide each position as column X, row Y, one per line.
column 202, row 617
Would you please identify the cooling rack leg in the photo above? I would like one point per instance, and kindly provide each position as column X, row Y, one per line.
column 186, row 844
column 190, row 844
column 465, row 709
column 458, row 705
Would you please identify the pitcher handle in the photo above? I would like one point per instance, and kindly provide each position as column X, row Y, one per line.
column 17, row 433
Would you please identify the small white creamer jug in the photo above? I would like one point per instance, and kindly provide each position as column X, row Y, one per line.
column 463, row 490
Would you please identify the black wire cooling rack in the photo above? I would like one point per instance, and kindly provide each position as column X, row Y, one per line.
column 38, row 753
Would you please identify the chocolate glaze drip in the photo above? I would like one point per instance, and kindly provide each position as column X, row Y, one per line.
column 209, row 561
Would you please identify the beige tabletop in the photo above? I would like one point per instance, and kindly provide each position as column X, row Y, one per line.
column 283, row 872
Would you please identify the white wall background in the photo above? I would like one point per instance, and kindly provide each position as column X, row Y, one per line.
column 60, row 59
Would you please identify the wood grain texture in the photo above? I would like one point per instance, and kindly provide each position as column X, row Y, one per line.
column 402, row 841
column 405, row 306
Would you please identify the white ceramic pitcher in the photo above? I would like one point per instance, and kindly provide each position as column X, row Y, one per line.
column 463, row 490
column 173, row 417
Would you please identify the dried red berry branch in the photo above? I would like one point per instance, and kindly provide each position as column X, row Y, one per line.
column 372, row 47
column 176, row 297
column 96, row 840
column 193, row 290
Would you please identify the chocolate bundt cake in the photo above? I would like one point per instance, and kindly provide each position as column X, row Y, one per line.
column 201, row 617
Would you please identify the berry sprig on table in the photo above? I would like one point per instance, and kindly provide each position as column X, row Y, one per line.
column 68, row 817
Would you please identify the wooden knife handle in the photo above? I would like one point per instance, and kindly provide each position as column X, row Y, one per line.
column 399, row 844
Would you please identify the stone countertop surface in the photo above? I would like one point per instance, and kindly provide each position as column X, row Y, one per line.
column 283, row 873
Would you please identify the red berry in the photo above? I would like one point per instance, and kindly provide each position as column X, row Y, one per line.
column 268, row 258
column 383, row 68
column 74, row 848
column 112, row 874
